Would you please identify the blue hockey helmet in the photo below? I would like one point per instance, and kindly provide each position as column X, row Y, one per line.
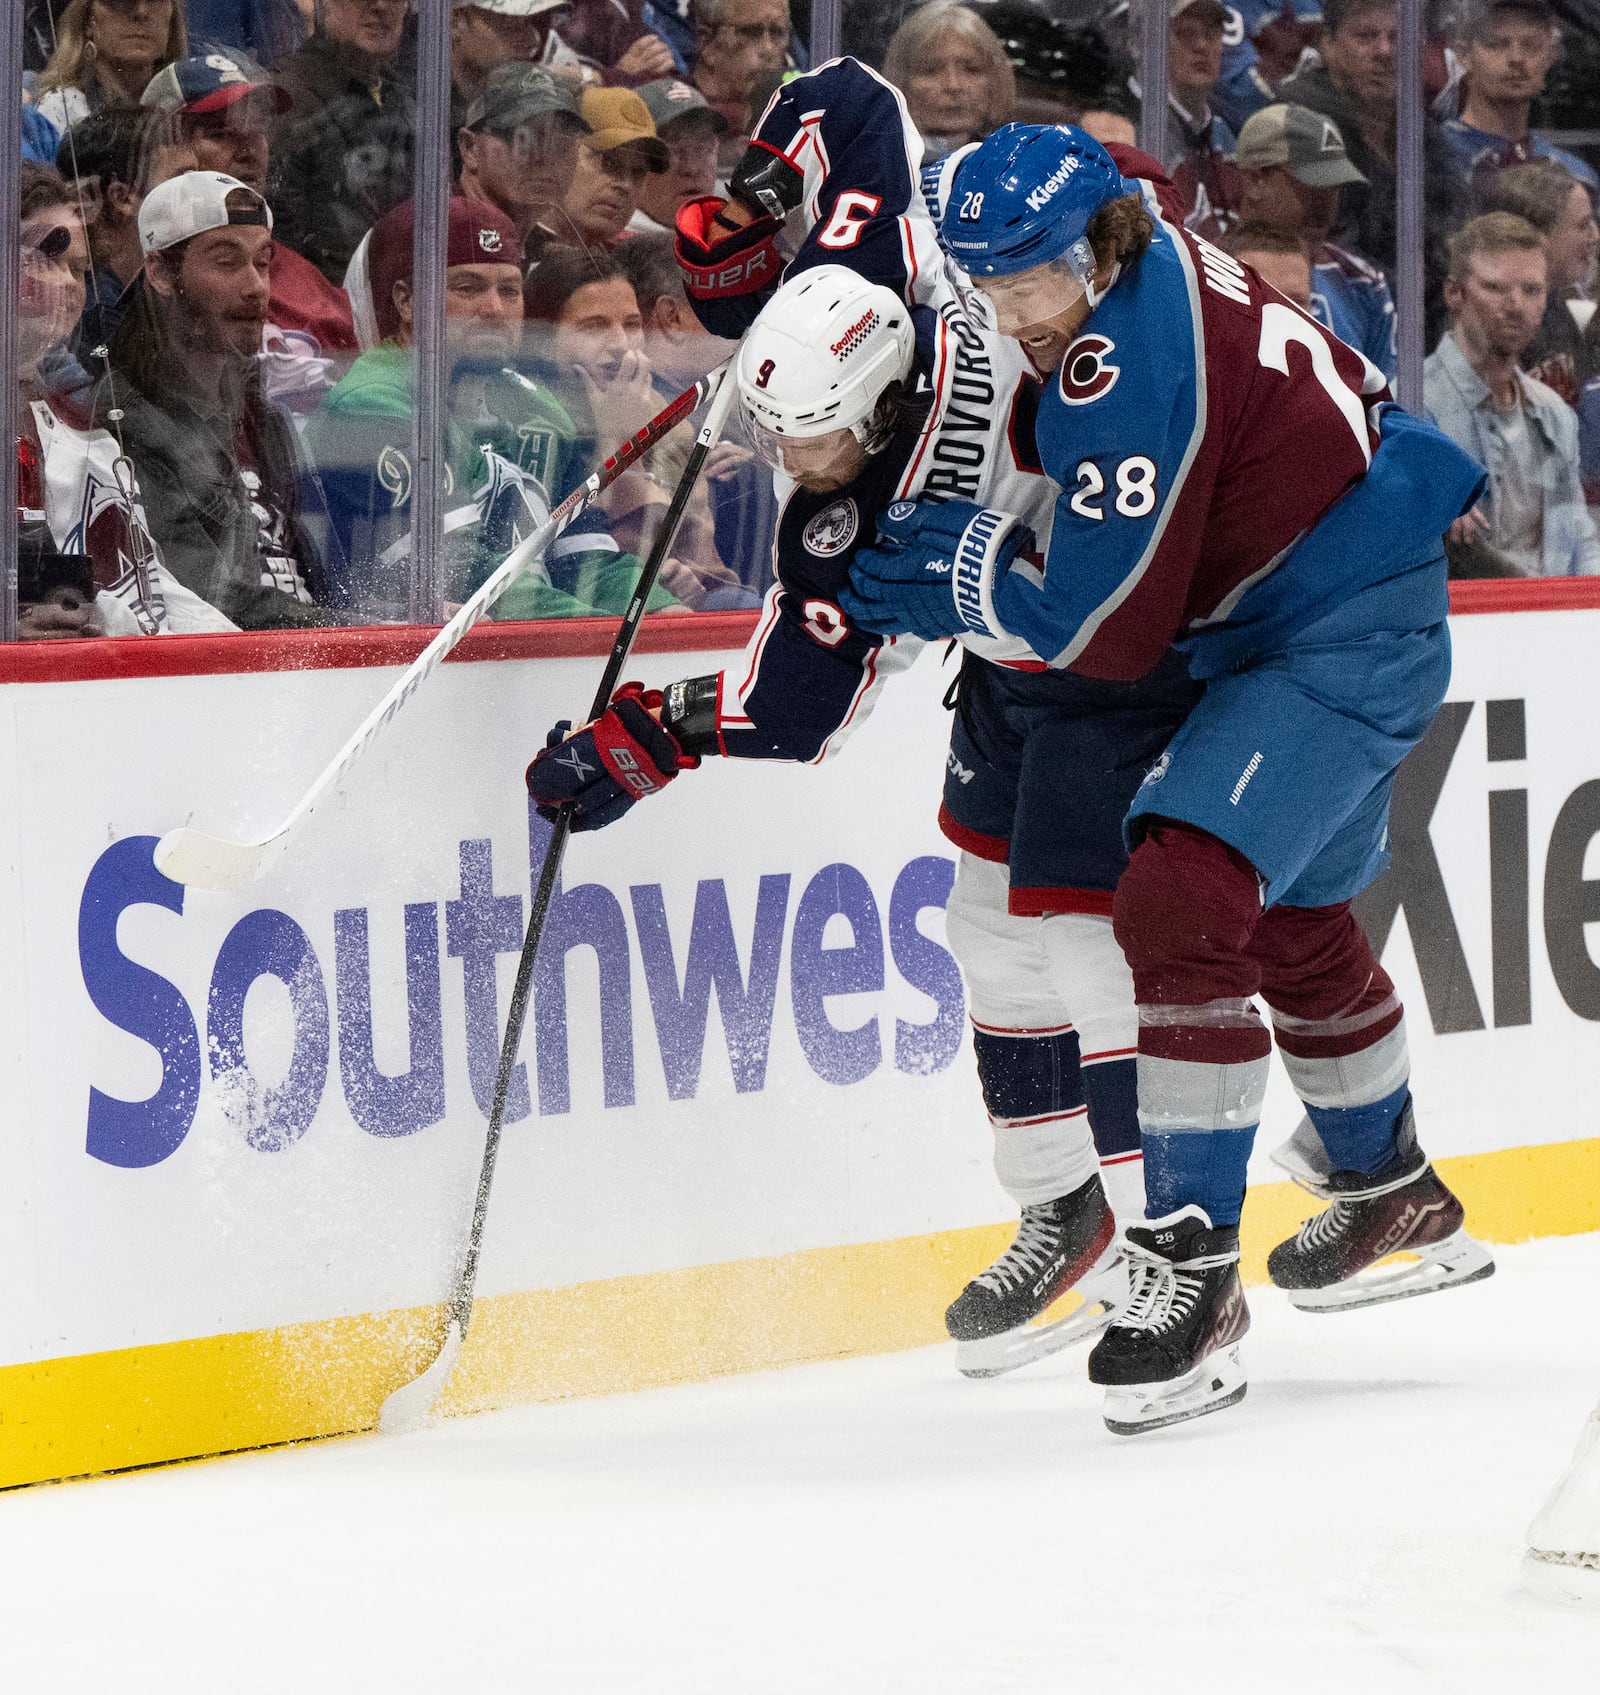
column 1023, row 197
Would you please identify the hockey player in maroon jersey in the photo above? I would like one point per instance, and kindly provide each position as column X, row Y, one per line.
column 1235, row 484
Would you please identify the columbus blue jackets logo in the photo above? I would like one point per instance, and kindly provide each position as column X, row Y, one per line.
column 1156, row 771
column 832, row 530
column 1085, row 373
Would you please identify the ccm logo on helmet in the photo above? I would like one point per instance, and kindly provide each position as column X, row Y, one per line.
column 855, row 335
column 1085, row 375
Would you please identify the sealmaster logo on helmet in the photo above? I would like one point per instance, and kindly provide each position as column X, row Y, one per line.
column 855, row 335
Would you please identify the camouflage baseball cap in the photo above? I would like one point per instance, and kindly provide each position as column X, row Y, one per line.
column 1306, row 144
column 516, row 94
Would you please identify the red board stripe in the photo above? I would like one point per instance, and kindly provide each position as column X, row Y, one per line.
column 572, row 638
column 344, row 649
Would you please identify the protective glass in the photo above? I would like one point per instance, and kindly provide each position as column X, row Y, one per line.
column 1035, row 296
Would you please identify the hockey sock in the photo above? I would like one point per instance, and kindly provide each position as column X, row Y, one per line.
column 1033, row 1088
column 1360, row 1138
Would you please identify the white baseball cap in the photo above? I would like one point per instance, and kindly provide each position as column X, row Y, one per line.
column 511, row 8
column 193, row 203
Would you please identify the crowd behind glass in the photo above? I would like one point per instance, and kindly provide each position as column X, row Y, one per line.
column 214, row 421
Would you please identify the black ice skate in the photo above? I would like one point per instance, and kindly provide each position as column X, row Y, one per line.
column 1172, row 1353
column 1069, row 1243
column 1331, row 1264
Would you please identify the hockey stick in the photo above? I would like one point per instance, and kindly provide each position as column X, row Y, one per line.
column 204, row 861
column 409, row 1406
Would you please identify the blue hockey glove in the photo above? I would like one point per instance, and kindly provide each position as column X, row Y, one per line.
column 622, row 757
column 934, row 570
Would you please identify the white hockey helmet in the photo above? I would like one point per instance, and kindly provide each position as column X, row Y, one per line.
column 821, row 354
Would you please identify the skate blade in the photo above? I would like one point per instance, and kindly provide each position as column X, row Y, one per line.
column 1217, row 1382
column 1443, row 1265
column 1104, row 1288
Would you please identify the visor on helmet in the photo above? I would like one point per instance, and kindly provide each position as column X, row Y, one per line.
column 820, row 456
column 1035, row 296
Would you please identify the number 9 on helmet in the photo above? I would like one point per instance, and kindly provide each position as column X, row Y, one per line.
column 816, row 369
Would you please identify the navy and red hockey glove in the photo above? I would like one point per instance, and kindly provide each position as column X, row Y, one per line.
column 600, row 771
column 727, row 273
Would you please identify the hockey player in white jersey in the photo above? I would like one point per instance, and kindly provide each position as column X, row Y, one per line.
column 859, row 400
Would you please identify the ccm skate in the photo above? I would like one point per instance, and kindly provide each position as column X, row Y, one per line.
column 1172, row 1353
column 1331, row 1263
column 1067, row 1243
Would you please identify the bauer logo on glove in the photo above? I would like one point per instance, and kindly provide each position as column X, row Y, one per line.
column 602, row 769
column 935, row 570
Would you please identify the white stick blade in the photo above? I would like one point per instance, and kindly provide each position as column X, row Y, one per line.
column 410, row 1407
column 199, row 861
column 1567, row 1529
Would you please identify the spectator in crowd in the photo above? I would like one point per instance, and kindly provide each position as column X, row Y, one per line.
column 1281, row 33
column 114, row 156
column 690, row 131
column 741, row 49
column 1533, row 521
column 225, row 106
column 215, row 462
column 594, row 346
column 486, row 34
column 511, row 448
column 614, row 158
column 106, row 52
column 1275, row 257
column 87, row 564
column 1200, row 146
column 268, row 30
column 343, row 156
column 519, row 150
column 1506, row 49
column 731, row 513
column 954, row 74
column 617, row 36
column 1294, row 169
column 1355, row 86
column 1565, row 353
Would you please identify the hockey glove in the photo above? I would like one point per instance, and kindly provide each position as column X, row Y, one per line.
column 726, row 272
column 604, row 768
column 934, row 570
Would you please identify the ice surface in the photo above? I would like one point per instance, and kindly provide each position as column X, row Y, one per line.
column 876, row 1525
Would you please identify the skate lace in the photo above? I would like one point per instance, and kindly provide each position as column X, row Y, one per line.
column 1037, row 1239
column 1161, row 1294
column 1318, row 1232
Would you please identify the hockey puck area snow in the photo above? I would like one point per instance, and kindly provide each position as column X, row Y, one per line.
column 876, row 1525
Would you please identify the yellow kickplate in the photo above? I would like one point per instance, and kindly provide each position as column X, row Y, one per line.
column 177, row 1400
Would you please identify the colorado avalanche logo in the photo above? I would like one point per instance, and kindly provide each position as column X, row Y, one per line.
column 1085, row 374
column 832, row 529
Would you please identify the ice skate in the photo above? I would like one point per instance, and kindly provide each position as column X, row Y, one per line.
column 1172, row 1353
column 1065, row 1244
column 1332, row 1263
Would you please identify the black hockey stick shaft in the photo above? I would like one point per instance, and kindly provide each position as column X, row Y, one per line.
column 516, row 1016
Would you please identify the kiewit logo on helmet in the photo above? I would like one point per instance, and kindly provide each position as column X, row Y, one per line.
column 1038, row 198
column 855, row 335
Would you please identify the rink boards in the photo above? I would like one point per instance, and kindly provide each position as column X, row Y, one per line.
column 242, row 1131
